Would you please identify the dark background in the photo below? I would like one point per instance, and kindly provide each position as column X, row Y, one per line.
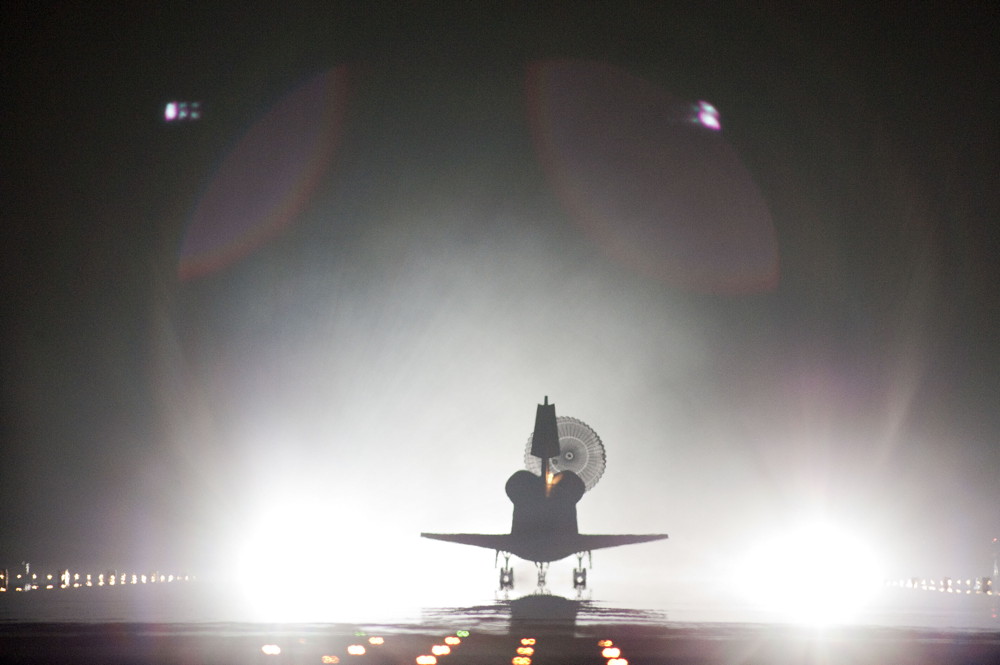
column 865, row 381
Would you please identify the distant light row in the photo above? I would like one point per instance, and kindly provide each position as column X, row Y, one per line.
column 982, row 585
column 67, row 580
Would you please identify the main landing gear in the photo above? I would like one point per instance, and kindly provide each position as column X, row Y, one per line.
column 580, row 573
column 506, row 573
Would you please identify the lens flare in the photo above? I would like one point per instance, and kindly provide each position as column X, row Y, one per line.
column 267, row 178
column 816, row 573
column 655, row 188
column 292, row 534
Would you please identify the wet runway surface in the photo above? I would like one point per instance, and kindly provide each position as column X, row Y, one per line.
column 539, row 644
column 181, row 625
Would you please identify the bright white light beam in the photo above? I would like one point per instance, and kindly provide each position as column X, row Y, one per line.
column 816, row 573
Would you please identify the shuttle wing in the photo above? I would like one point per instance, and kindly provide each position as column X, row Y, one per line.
column 598, row 542
column 491, row 541
column 547, row 547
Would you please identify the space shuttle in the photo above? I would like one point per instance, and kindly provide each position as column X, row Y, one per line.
column 564, row 459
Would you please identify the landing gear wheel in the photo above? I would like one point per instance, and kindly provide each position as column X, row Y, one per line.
column 579, row 579
column 580, row 573
column 543, row 569
column 506, row 579
column 506, row 573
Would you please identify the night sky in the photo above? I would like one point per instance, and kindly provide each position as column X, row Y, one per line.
column 334, row 300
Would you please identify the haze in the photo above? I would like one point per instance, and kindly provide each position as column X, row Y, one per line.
column 322, row 314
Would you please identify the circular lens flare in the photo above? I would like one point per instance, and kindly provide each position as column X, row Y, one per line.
column 650, row 179
column 267, row 177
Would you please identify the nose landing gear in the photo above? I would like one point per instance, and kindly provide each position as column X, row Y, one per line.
column 543, row 569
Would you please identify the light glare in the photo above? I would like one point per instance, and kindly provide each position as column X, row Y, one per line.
column 816, row 573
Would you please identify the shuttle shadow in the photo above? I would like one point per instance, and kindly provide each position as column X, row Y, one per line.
column 541, row 613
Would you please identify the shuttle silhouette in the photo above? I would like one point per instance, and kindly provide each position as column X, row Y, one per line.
column 565, row 458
